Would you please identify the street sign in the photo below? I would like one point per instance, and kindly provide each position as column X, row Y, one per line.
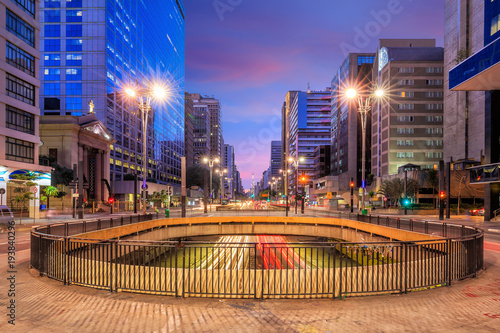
column 35, row 189
column 385, row 198
column 169, row 190
column 264, row 195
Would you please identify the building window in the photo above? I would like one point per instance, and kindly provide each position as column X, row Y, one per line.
column 74, row 3
column 434, row 70
column 406, row 94
column 73, row 103
column 406, row 82
column 52, row 30
column 406, row 70
column 495, row 25
column 365, row 60
column 405, row 119
column 433, row 118
column 52, row 3
column 52, row 45
column 434, row 106
column 434, row 94
column 406, row 106
column 73, row 16
column 404, row 155
column 52, row 16
column 74, row 30
column 52, row 89
column 74, row 45
column 433, row 82
column 20, row 28
column 20, row 59
column 51, row 103
column 20, row 90
column 407, row 130
column 405, row 142
column 434, row 143
column 20, row 120
column 52, row 74
column 27, row 5
column 73, row 88
column 73, row 74
column 52, row 59
column 433, row 131
column 53, row 155
column 434, row 155
column 73, row 59
column 19, row 150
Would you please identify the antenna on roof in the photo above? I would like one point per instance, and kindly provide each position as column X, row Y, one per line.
column 308, row 86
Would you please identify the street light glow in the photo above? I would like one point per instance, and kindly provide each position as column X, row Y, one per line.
column 130, row 92
column 351, row 93
column 205, row 160
column 379, row 93
column 302, row 159
column 159, row 93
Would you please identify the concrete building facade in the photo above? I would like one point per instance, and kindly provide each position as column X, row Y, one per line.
column 189, row 130
column 408, row 121
column 19, row 103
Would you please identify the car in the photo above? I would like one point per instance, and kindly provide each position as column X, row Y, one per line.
column 477, row 212
column 6, row 215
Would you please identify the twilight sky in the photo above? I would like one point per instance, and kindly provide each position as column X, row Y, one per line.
column 249, row 53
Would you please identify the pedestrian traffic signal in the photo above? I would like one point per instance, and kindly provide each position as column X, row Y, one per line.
column 111, row 200
column 442, row 195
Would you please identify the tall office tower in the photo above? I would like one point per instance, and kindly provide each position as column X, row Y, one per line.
column 467, row 31
column 309, row 126
column 407, row 126
column 285, row 127
column 346, row 145
column 275, row 158
column 472, row 44
column 229, row 165
column 93, row 50
column 201, row 129
column 188, row 129
column 19, row 108
column 216, row 138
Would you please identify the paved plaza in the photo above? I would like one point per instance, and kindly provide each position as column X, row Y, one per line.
column 46, row 305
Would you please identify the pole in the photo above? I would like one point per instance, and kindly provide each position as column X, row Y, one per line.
column 406, row 192
column 205, row 192
column 183, row 187
column 135, row 192
column 352, row 195
column 448, row 189
column 363, row 113
column 80, row 190
column 441, row 188
column 296, row 185
column 144, row 154
column 211, row 167
column 75, row 180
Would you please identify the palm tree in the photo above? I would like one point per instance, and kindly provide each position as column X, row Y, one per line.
column 394, row 189
column 50, row 191
column 432, row 180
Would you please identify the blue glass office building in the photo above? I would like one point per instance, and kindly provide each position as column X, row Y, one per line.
column 481, row 72
column 91, row 50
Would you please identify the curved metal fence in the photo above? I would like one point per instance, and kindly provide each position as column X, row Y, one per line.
column 265, row 268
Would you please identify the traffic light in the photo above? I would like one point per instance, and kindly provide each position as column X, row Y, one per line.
column 352, row 184
column 111, row 200
column 406, row 202
column 442, row 195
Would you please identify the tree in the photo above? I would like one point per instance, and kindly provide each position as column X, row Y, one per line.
column 22, row 184
column 50, row 191
column 432, row 181
column 61, row 175
column 195, row 177
column 371, row 194
column 394, row 189
column 369, row 179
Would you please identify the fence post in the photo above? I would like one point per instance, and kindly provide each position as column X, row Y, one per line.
column 65, row 253
column 401, row 280
column 449, row 244
column 406, row 267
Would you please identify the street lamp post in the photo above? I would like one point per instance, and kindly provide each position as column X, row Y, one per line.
column 460, row 192
column 285, row 174
column 145, row 95
column 295, row 163
column 221, row 174
column 211, row 162
column 364, row 107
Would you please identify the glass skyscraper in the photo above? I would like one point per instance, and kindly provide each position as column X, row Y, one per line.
column 91, row 50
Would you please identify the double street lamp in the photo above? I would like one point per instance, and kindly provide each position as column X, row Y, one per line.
column 295, row 163
column 221, row 174
column 364, row 107
column 145, row 95
column 210, row 161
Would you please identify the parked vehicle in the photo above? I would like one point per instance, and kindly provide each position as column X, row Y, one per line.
column 477, row 212
column 6, row 214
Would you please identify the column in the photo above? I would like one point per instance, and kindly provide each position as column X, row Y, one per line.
column 98, row 175
column 86, row 163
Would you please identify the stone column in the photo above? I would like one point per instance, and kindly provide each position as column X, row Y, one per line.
column 98, row 175
column 86, row 163
column 106, row 172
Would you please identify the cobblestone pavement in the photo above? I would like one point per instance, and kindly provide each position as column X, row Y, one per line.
column 46, row 305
